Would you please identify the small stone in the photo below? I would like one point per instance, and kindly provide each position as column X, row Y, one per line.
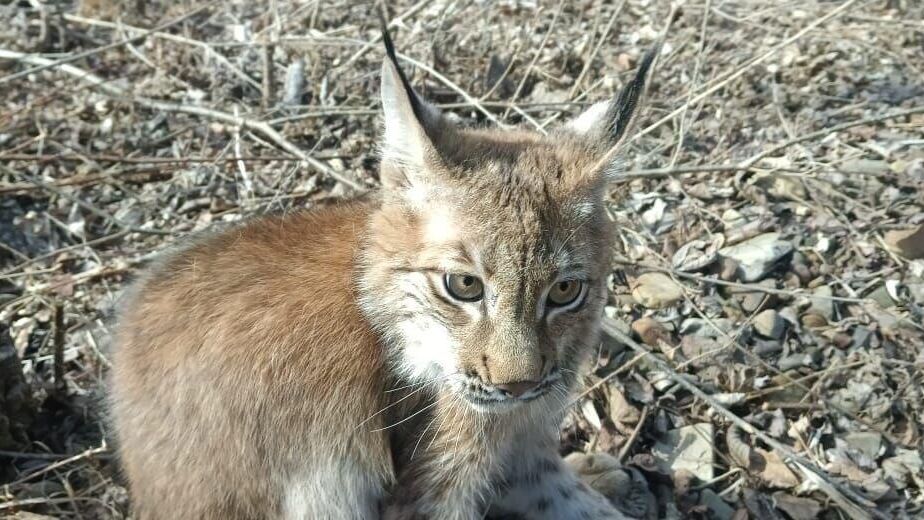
column 792, row 281
column 881, row 297
column 823, row 244
column 813, row 320
column 698, row 348
column 842, row 340
column 803, row 272
column 798, row 508
column 867, row 443
column 769, row 324
column 729, row 270
column 787, row 188
column 916, row 290
column 816, row 282
column 689, row 448
column 822, row 303
column 755, row 301
column 865, row 166
column 703, row 328
column 656, row 291
column 766, row 348
column 651, row 331
column 732, row 217
column 718, row 508
column 697, row 254
column 757, row 256
column 660, row 381
column 789, row 314
column 794, row 361
column 861, row 337
column 904, row 468
column 294, row 83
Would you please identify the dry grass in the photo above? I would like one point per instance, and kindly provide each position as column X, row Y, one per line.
column 126, row 126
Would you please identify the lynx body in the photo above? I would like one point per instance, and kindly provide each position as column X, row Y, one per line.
column 403, row 355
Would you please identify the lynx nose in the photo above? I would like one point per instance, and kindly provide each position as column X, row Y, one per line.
column 517, row 388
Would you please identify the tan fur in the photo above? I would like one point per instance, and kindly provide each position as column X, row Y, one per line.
column 313, row 366
column 230, row 372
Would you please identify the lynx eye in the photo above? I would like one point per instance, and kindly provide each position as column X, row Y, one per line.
column 565, row 292
column 464, row 287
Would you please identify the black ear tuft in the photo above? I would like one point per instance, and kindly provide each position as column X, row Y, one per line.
column 417, row 104
column 621, row 112
column 409, row 141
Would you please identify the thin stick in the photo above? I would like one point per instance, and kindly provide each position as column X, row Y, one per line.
column 748, row 66
column 378, row 37
column 624, row 450
column 166, row 106
column 210, row 52
column 57, row 335
column 612, row 330
column 49, row 64
column 80, row 202
column 682, row 127
column 50, row 158
column 529, row 69
column 746, row 164
column 269, row 74
column 56, row 252
column 596, row 50
column 80, row 180
column 446, row 81
column 743, row 286
column 80, row 456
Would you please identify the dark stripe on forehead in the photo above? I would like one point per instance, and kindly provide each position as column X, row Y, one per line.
column 520, row 301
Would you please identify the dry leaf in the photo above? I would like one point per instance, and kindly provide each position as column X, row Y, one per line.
column 771, row 468
column 621, row 411
column 908, row 243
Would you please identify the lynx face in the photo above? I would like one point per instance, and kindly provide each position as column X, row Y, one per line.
column 485, row 267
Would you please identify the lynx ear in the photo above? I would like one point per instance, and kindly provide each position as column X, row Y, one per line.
column 407, row 144
column 607, row 123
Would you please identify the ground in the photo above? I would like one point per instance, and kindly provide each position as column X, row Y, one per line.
column 770, row 217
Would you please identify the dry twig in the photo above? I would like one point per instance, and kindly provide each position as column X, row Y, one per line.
column 154, row 104
column 858, row 502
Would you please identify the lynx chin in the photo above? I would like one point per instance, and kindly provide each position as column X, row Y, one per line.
column 404, row 355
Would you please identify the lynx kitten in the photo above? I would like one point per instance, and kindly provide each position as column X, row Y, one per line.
column 403, row 355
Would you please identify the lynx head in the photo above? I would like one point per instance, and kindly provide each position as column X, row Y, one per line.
column 485, row 266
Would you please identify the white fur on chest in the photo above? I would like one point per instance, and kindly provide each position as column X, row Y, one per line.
column 333, row 489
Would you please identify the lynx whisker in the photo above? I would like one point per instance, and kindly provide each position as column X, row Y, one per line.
column 422, row 383
column 393, row 404
column 408, row 418
column 442, row 418
column 424, row 433
column 454, row 411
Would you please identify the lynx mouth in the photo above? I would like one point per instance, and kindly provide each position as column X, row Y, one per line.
column 486, row 398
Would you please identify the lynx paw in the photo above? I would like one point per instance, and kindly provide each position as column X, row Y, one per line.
column 625, row 488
